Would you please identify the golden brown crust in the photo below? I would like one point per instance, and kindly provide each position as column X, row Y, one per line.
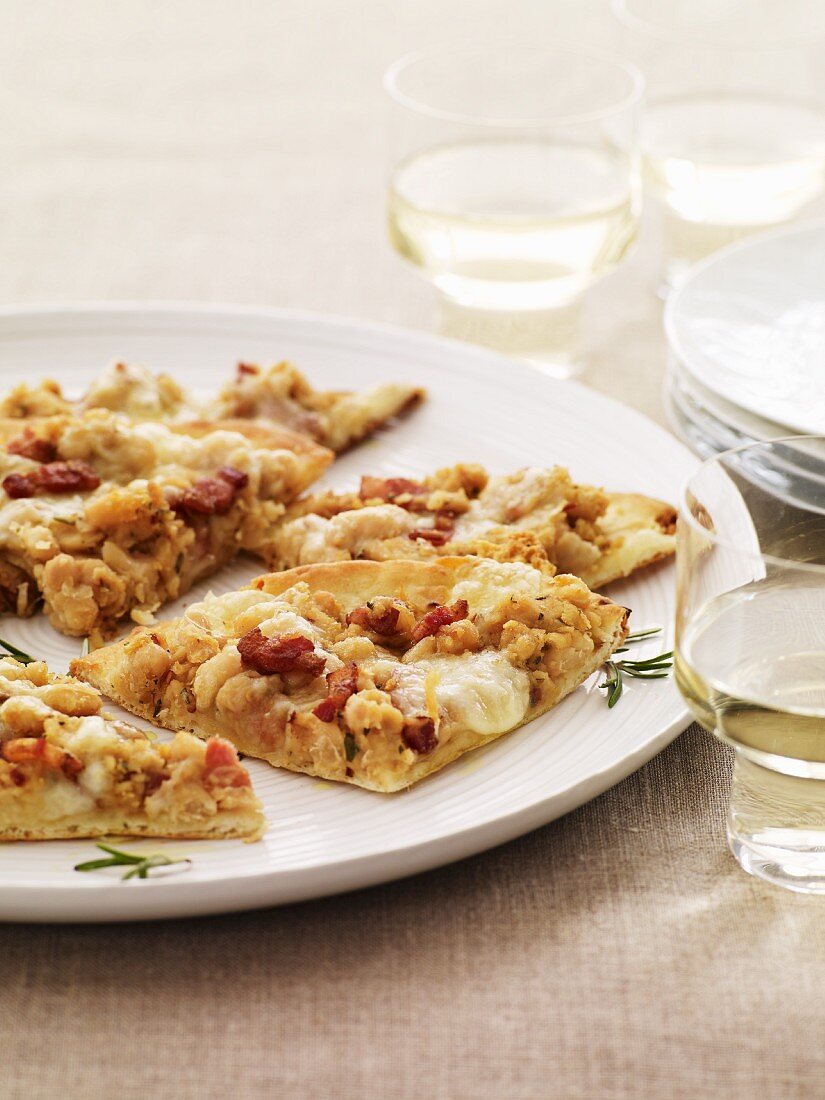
column 494, row 645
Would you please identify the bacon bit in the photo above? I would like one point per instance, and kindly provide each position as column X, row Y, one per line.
column 32, row 750
column 208, row 497
column 388, row 488
column 67, row 477
column 383, row 622
column 17, row 777
column 440, row 616
column 221, row 766
column 419, row 734
column 283, row 653
column 431, row 535
column 29, row 446
column 19, row 485
column 341, row 683
column 238, row 478
column 245, row 368
column 212, row 495
column 54, row 477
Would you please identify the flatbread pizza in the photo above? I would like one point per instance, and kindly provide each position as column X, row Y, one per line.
column 102, row 517
column 533, row 515
column 370, row 673
column 278, row 395
column 67, row 771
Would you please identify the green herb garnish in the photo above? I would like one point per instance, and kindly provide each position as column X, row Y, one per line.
column 350, row 746
column 652, row 668
column 139, row 866
column 18, row 654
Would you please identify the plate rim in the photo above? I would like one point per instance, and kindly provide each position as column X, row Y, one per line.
column 175, row 897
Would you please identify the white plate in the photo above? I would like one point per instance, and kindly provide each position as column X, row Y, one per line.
column 749, row 325
column 325, row 838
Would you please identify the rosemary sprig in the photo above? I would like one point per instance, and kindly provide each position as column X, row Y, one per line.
column 651, row 668
column 139, row 866
column 18, row 654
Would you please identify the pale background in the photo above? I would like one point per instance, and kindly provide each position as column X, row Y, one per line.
column 233, row 151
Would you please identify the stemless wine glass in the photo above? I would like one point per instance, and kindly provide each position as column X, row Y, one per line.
column 733, row 130
column 514, row 185
column 750, row 645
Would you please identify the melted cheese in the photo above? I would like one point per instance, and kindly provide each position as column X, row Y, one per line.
column 480, row 692
column 489, row 580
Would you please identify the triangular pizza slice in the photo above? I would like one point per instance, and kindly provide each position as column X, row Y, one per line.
column 531, row 515
column 372, row 673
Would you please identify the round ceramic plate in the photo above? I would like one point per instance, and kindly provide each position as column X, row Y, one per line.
column 322, row 837
column 749, row 325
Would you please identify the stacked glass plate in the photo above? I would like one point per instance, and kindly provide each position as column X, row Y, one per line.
column 746, row 343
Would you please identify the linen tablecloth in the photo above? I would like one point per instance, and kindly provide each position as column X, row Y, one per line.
column 234, row 152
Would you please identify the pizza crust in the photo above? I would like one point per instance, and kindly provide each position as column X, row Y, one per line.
column 526, row 639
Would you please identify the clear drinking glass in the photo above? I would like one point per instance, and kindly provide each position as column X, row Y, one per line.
column 750, row 645
column 513, row 185
column 733, row 131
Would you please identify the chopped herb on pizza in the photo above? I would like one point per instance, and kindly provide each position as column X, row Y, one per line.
column 279, row 395
column 372, row 673
column 67, row 771
column 533, row 515
column 101, row 517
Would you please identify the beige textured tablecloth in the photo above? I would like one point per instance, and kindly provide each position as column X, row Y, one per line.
column 234, row 151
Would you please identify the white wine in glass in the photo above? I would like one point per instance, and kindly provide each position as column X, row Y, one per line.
column 513, row 185
column 750, row 645
column 733, row 130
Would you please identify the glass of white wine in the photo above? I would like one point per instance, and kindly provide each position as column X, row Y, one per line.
column 750, row 645
column 514, row 184
column 733, row 130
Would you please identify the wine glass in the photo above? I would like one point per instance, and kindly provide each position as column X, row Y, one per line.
column 750, row 645
column 733, row 129
column 513, row 186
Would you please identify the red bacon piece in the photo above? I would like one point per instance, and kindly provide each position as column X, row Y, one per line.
column 388, row 488
column 237, row 478
column 283, row 653
column 18, row 486
column 29, row 446
column 212, row 496
column 221, row 766
column 33, row 750
column 73, row 476
column 440, row 616
column 341, row 683
column 419, row 734
column 383, row 622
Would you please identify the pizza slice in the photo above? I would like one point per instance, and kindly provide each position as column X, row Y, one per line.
column 533, row 515
column 68, row 771
column 101, row 517
column 280, row 396
column 371, row 673
column 338, row 419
